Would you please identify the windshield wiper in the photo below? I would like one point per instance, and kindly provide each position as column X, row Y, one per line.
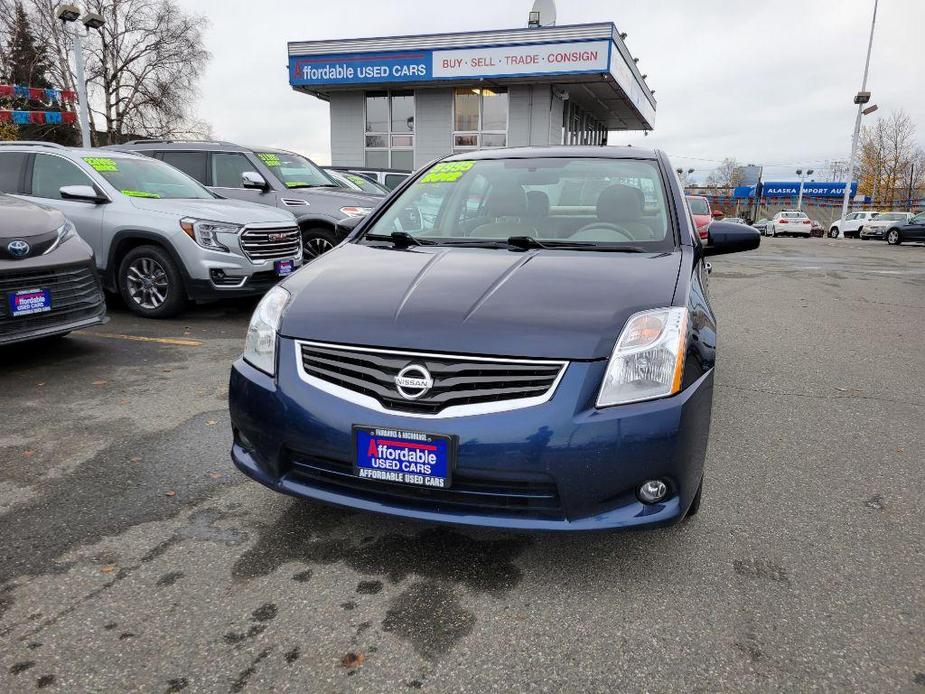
column 528, row 242
column 400, row 239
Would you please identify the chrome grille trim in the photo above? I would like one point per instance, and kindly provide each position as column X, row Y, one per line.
column 368, row 401
column 257, row 246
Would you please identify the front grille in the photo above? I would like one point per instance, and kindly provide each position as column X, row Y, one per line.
column 457, row 381
column 75, row 295
column 533, row 496
column 270, row 244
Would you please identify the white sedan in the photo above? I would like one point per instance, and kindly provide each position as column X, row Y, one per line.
column 790, row 223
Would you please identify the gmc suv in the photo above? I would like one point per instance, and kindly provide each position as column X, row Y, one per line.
column 268, row 176
column 159, row 237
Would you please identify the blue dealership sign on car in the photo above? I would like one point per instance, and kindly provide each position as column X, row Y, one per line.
column 404, row 457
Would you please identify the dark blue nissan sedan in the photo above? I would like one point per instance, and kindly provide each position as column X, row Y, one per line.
column 517, row 338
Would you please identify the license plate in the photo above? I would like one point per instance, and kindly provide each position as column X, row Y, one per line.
column 403, row 457
column 284, row 267
column 27, row 302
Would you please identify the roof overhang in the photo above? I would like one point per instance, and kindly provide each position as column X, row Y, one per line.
column 589, row 61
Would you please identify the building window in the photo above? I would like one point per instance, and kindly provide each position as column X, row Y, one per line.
column 479, row 119
column 390, row 129
column 581, row 128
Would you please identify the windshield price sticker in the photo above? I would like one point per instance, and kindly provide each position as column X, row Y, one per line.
column 269, row 158
column 139, row 194
column 102, row 163
column 297, row 184
column 447, row 172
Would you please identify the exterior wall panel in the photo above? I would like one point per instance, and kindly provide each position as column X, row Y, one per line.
column 433, row 125
column 348, row 129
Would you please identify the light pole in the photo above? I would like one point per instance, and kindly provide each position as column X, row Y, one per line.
column 861, row 98
column 682, row 174
column 91, row 20
column 809, row 172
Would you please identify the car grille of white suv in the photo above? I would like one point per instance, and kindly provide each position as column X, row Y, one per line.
column 270, row 243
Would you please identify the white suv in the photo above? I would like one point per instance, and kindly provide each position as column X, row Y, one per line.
column 790, row 223
column 853, row 224
column 160, row 238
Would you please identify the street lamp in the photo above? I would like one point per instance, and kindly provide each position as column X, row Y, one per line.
column 91, row 20
column 861, row 98
column 809, row 172
column 682, row 174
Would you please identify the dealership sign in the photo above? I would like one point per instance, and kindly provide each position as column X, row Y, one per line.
column 419, row 66
column 791, row 189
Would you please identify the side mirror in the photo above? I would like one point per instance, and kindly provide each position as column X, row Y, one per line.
column 729, row 237
column 253, row 180
column 82, row 193
column 717, row 214
column 346, row 226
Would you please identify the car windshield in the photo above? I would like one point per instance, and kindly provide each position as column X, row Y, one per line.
column 698, row 206
column 575, row 202
column 295, row 171
column 362, row 183
column 147, row 178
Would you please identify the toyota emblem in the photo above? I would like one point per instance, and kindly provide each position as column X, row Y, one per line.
column 413, row 382
column 18, row 248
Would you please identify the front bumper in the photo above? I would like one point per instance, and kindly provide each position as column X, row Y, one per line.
column 875, row 233
column 562, row 465
column 76, row 298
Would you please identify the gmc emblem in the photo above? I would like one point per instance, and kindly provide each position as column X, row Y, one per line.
column 276, row 237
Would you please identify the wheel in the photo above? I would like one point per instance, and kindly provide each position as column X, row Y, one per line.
column 695, row 504
column 772, row 232
column 150, row 283
column 892, row 237
column 315, row 242
column 863, row 238
column 833, row 233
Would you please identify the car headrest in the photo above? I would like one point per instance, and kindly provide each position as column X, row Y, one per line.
column 537, row 204
column 619, row 203
column 506, row 199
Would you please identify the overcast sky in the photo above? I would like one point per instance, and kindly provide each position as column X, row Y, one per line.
column 764, row 82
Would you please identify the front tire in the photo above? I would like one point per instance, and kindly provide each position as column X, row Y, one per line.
column 892, row 237
column 833, row 233
column 772, row 232
column 150, row 283
column 316, row 242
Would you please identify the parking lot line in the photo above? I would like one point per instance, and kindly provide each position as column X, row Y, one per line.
column 176, row 341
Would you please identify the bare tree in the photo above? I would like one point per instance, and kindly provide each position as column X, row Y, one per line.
column 891, row 161
column 726, row 175
column 142, row 67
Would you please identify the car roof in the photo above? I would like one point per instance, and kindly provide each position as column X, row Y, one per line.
column 576, row 151
column 51, row 147
column 191, row 145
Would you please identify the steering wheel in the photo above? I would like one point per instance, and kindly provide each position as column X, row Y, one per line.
column 615, row 228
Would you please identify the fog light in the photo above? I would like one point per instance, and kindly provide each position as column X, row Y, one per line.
column 652, row 491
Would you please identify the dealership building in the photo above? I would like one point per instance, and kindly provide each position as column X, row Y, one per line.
column 402, row 101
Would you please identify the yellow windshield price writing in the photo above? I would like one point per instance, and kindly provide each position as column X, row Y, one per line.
column 102, row 163
column 447, row 171
column 269, row 158
column 139, row 194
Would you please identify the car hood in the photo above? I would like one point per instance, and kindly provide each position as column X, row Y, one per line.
column 20, row 219
column 541, row 304
column 216, row 210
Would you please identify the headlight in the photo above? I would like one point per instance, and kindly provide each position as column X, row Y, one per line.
column 66, row 232
column 356, row 211
column 260, row 343
column 206, row 233
column 648, row 359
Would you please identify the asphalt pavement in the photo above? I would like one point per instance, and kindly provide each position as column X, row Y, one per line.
column 133, row 557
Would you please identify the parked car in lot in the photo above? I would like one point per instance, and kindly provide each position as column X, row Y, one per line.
column 761, row 226
column 734, row 220
column 160, row 238
column 389, row 179
column 789, row 223
column 48, row 279
column 352, row 181
column 268, row 176
column 702, row 213
column 877, row 227
column 510, row 366
column 852, row 225
column 913, row 231
column 817, row 230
